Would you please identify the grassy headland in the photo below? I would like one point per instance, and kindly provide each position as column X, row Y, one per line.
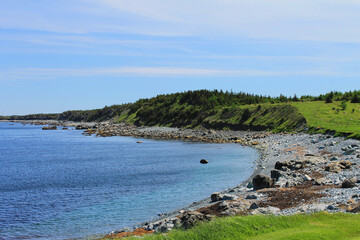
column 321, row 117
column 334, row 111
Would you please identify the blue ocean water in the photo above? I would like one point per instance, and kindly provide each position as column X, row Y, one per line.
column 62, row 184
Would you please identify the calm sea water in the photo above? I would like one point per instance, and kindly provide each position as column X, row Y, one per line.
column 62, row 184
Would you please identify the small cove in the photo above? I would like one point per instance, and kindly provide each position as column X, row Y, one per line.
column 61, row 184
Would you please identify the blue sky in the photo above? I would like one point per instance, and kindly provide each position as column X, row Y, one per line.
column 82, row 54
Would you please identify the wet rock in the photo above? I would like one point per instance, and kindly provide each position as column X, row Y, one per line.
column 262, row 181
column 80, row 127
column 349, row 183
column 49, row 128
column 204, row 161
column 126, row 229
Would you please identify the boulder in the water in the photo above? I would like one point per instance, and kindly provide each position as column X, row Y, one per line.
column 204, row 161
column 49, row 128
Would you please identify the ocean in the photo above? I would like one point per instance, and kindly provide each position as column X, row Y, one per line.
column 61, row 184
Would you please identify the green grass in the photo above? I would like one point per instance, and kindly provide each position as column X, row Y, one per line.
column 275, row 117
column 316, row 226
column 325, row 115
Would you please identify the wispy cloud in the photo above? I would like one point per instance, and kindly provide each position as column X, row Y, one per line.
column 52, row 73
column 310, row 20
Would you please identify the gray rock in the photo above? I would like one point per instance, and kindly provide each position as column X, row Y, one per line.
column 275, row 174
column 349, row 183
column 350, row 151
column 249, row 185
column 215, row 197
column 266, row 210
column 122, row 230
column 228, row 197
column 307, row 178
column 189, row 219
column 252, row 196
column 317, row 207
column 262, row 181
column 334, row 159
column 331, row 207
column 253, row 206
column 165, row 227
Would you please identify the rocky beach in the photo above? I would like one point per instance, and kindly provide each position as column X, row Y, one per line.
column 296, row 173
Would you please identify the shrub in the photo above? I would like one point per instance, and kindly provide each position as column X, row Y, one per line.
column 343, row 105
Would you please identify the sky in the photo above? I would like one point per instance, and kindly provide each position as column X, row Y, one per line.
column 83, row 54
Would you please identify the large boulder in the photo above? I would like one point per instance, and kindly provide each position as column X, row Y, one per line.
column 190, row 219
column 49, row 128
column 338, row 166
column 262, row 181
column 349, row 183
column 275, row 174
column 265, row 210
column 216, row 196
column 233, row 208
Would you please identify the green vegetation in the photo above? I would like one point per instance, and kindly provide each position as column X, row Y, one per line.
column 335, row 111
column 331, row 116
column 275, row 117
column 315, row 226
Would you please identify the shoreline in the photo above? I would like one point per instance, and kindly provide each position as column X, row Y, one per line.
column 310, row 169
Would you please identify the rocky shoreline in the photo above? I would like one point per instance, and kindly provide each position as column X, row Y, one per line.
column 296, row 173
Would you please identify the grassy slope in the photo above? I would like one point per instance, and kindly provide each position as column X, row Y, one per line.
column 316, row 226
column 276, row 117
column 321, row 115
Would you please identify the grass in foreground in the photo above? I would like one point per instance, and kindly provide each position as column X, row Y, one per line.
column 315, row 226
column 330, row 116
